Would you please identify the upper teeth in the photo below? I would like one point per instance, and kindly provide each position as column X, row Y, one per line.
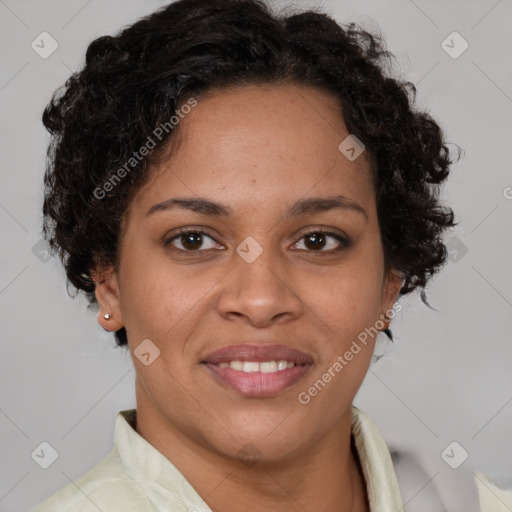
column 255, row 366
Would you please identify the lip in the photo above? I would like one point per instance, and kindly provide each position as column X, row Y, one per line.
column 259, row 353
column 257, row 384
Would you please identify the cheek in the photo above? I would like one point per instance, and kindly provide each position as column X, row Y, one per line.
column 347, row 303
column 348, row 306
column 348, row 297
column 161, row 300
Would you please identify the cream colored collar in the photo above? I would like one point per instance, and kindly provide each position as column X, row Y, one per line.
column 146, row 465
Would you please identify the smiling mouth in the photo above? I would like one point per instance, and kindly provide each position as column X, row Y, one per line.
column 256, row 366
column 257, row 379
column 256, row 370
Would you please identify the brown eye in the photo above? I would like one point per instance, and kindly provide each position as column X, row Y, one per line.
column 321, row 241
column 191, row 240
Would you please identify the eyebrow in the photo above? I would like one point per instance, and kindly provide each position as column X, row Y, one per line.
column 301, row 207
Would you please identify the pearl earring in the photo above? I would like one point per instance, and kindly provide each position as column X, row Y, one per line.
column 107, row 316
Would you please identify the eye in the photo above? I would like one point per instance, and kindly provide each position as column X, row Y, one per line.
column 191, row 239
column 318, row 241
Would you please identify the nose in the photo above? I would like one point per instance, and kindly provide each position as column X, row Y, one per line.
column 261, row 292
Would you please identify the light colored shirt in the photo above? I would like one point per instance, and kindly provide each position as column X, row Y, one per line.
column 492, row 498
column 136, row 477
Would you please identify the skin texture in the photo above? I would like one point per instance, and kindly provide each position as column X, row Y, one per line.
column 256, row 149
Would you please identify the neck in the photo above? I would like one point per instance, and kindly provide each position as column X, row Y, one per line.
column 325, row 476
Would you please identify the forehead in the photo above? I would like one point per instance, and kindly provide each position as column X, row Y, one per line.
column 291, row 118
column 263, row 142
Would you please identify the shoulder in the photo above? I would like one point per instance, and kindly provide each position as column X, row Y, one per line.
column 492, row 497
column 104, row 487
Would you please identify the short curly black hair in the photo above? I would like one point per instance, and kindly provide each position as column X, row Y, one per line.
column 136, row 81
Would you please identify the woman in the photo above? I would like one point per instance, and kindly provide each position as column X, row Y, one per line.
column 245, row 196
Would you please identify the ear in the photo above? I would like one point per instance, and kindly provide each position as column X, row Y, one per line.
column 107, row 295
column 391, row 288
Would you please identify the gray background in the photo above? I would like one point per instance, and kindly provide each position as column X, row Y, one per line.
column 447, row 377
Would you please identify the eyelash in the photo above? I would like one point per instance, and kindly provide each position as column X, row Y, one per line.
column 344, row 242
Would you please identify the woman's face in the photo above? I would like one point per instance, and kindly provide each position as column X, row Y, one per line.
column 269, row 158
